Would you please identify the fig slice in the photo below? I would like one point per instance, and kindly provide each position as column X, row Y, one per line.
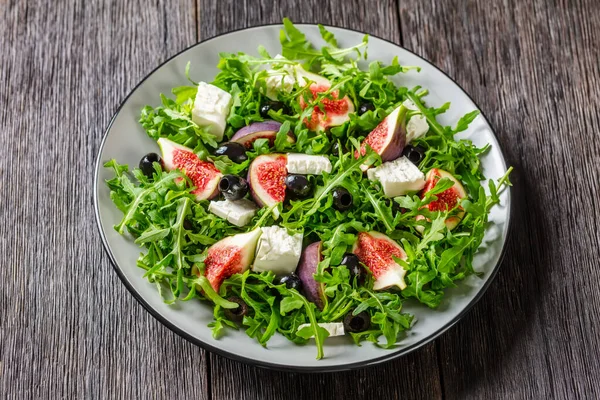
column 377, row 252
column 333, row 111
column 259, row 130
column 204, row 175
column 446, row 200
column 388, row 138
column 266, row 176
column 229, row 256
column 307, row 268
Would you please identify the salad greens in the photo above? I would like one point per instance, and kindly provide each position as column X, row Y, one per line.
column 164, row 217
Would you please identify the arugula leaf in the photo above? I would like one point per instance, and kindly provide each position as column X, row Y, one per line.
column 184, row 93
column 281, row 140
column 295, row 46
column 465, row 120
column 327, row 36
column 383, row 211
column 152, row 235
column 337, row 180
column 434, row 233
column 212, row 295
column 289, row 304
column 187, row 73
column 451, row 257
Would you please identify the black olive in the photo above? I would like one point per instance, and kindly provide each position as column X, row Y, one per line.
column 292, row 281
column 357, row 323
column 275, row 106
column 342, row 199
column 298, row 185
column 187, row 224
column 415, row 154
column 147, row 163
column 364, row 107
column 395, row 206
column 233, row 187
column 235, row 151
column 236, row 314
column 352, row 262
column 335, row 149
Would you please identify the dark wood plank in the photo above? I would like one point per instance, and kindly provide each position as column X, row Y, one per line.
column 412, row 377
column 232, row 380
column 69, row 328
column 533, row 69
column 222, row 16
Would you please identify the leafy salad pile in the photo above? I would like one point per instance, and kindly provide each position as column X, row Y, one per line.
column 176, row 230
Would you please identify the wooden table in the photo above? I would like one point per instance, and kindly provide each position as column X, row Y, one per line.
column 70, row 329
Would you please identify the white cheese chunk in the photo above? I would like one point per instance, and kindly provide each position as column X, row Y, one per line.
column 238, row 212
column 281, row 79
column 211, row 108
column 334, row 328
column 307, row 164
column 277, row 251
column 410, row 105
column 398, row 177
column 417, row 127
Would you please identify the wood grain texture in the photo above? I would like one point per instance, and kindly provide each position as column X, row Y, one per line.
column 533, row 69
column 68, row 327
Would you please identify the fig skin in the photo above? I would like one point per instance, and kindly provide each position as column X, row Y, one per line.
column 307, row 268
column 392, row 130
column 258, row 130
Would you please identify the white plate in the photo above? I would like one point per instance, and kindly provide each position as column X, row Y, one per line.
column 126, row 141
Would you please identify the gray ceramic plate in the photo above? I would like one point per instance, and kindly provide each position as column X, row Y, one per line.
column 126, row 141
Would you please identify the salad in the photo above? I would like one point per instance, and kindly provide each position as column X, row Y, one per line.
column 305, row 193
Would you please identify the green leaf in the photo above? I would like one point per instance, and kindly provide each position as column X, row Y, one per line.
column 187, row 73
column 327, row 36
column 337, row 180
column 294, row 46
column 184, row 93
column 434, row 233
column 212, row 295
column 152, row 235
column 465, row 120
column 290, row 303
column 382, row 211
column 263, row 52
column 451, row 257
column 308, row 332
column 281, row 140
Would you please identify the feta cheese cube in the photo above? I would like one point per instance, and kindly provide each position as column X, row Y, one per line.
column 397, row 177
column 238, row 212
column 211, row 108
column 417, row 127
column 410, row 105
column 307, row 164
column 334, row 328
column 281, row 79
column 277, row 251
